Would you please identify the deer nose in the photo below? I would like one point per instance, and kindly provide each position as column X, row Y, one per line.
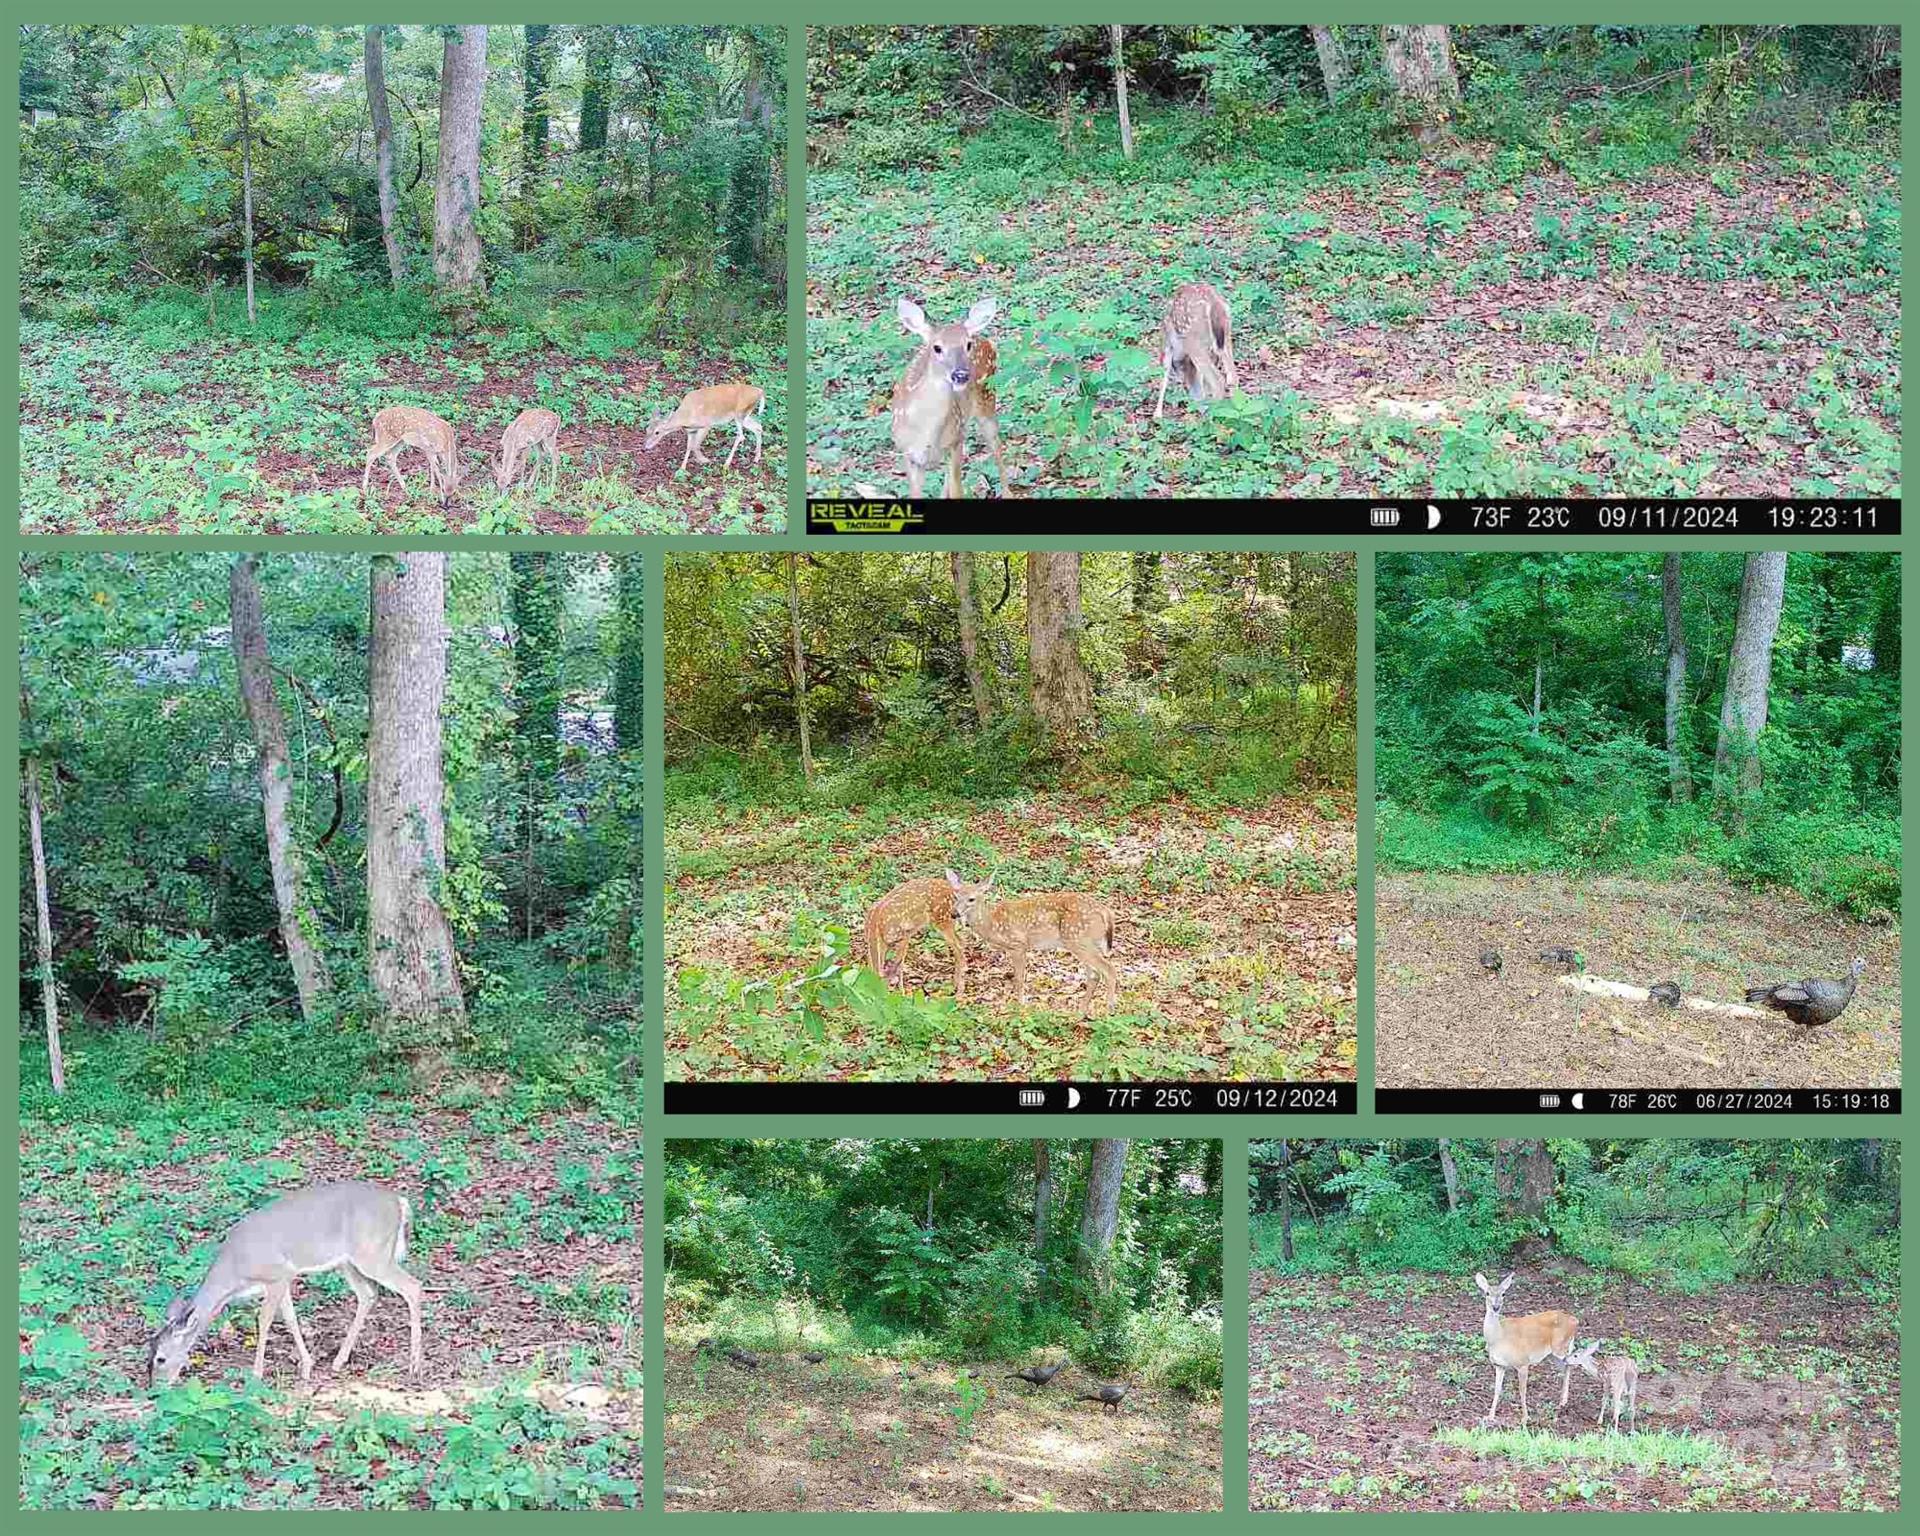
column 960, row 375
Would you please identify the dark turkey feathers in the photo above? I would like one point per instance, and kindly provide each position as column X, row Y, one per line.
column 1490, row 961
column 813, row 1357
column 1040, row 1375
column 1559, row 955
column 1813, row 1001
column 1666, row 994
column 743, row 1358
column 1108, row 1396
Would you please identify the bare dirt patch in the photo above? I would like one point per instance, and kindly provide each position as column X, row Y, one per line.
column 1351, row 1380
column 858, row 1434
column 1441, row 1022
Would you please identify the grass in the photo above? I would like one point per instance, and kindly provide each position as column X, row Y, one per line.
column 526, row 1235
column 1490, row 321
column 138, row 417
column 1641, row 1451
column 1229, row 940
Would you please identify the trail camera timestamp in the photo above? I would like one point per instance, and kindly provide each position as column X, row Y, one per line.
column 1639, row 518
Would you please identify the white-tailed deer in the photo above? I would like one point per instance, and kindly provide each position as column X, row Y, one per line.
column 528, row 435
column 408, row 426
column 1040, row 920
column 900, row 916
column 1198, row 340
column 944, row 388
column 1518, row 1344
column 701, row 410
column 1619, row 1379
column 357, row 1229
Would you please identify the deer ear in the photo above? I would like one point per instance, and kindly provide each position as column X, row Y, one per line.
column 913, row 317
column 954, row 880
column 981, row 316
column 1506, row 1282
column 1481, row 1281
column 179, row 1308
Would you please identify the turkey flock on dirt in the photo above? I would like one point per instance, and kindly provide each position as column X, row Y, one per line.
column 1810, row 1002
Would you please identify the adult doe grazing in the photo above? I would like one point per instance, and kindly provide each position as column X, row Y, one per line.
column 1198, row 340
column 904, row 913
column 528, row 435
column 1619, row 1379
column 1518, row 1344
column 1040, row 920
column 358, row 1229
column 701, row 410
column 944, row 388
column 399, row 427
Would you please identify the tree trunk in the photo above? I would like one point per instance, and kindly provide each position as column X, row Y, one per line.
column 299, row 924
column 1419, row 62
column 43, row 928
column 801, row 714
column 246, row 185
column 1119, row 34
column 535, row 604
column 410, row 943
column 1743, row 706
column 596, row 88
column 1062, row 689
column 1451, row 1173
column 533, row 121
column 1100, row 1218
column 1286, row 1200
column 968, row 610
column 1679, row 775
column 383, row 149
column 1334, row 68
column 1042, row 1197
column 629, row 668
column 456, row 187
column 1523, row 1173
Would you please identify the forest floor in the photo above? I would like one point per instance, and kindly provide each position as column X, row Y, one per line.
column 526, row 1237
column 1752, row 1397
column 173, row 432
column 857, row 1434
column 1234, row 941
column 1443, row 1023
column 1455, row 327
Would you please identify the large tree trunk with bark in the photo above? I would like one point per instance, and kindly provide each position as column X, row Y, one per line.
column 410, row 944
column 596, row 89
column 535, row 603
column 1119, row 34
column 1679, row 774
column 533, row 110
column 1523, row 1174
column 1042, row 1197
column 43, row 928
column 967, row 608
column 383, row 150
column 1743, row 706
column 1100, row 1218
column 1334, row 68
column 299, row 924
column 456, row 187
column 1450, row 1172
column 1286, row 1200
column 802, row 716
column 1062, row 688
column 1419, row 62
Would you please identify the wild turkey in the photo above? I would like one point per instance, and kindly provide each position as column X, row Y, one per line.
column 813, row 1357
column 1813, row 1001
column 1107, row 1397
column 746, row 1359
column 1040, row 1375
column 1666, row 994
column 1490, row 961
column 1559, row 957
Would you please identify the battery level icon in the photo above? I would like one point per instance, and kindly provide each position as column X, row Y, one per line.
column 1384, row 517
column 1033, row 1098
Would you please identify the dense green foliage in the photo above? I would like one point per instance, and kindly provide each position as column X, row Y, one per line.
column 619, row 270
column 1469, row 779
column 1592, row 279
column 1685, row 1215
column 927, row 1249
column 165, row 927
column 1223, row 677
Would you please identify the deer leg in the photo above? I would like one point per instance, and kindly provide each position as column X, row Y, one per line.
column 393, row 467
column 739, row 437
column 687, row 455
column 1020, row 977
column 1566, row 1380
column 1499, row 1382
column 402, row 1284
column 364, row 1292
column 293, row 1327
column 694, row 440
column 916, row 478
column 1166, row 375
column 759, row 437
column 957, row 466
column 952, row 935
column 367, row 474
column 269, row 1304
column 1521, row 1372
